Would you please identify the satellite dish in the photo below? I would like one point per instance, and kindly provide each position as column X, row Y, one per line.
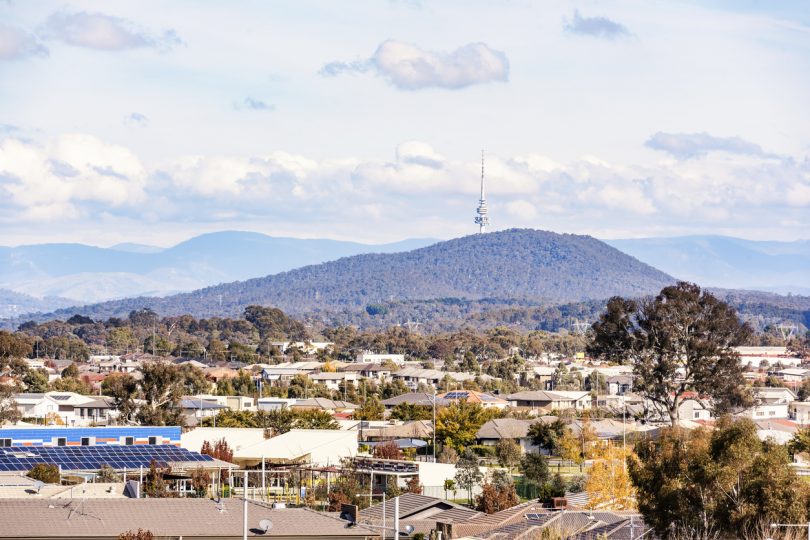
column 265, row 525
column 408, row 529
column 38, row 485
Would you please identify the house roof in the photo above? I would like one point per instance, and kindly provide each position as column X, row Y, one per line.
column 472, row 396
column 186, row 517
column 415, row 398
column 544, row 395
column 325, row 404
column 505, row 428
column 417, row 428
column 414, row 508
column 365, row 367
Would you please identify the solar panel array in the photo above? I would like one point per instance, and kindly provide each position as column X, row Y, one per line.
column 82, row 458
column 457, row 394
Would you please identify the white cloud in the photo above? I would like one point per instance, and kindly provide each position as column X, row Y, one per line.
column 600, row 27
column 16, row 44
column 695, row 145
column 104, row 32
column 78, row 177
column 54, row 180
column 409, row 67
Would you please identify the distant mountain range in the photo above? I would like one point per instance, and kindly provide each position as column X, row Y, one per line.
column 722, row 261
column 541, row 266
column 88, row 274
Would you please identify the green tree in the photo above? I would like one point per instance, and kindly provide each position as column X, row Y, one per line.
column 36, row 381
column 535, row 468
column 547, row 435
column 409, row 411
column 508, row 453
column 457, row 424
column 45, row 472
column 468, row 474
column 723, row 483
column 154, row 485
column 8, row 406
column 123, row 389
column 371, row 409
column 315, row 419
column 678, row 343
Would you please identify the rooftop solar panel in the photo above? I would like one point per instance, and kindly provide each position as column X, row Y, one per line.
column 93, row 457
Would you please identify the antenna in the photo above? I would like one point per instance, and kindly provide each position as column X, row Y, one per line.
column 482, row 219
column 580, row 327
column 788, row 330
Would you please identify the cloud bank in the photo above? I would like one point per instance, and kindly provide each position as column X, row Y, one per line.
column 409, row 67
column 79, row 179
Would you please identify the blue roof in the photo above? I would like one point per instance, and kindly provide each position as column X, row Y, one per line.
column 78, row 458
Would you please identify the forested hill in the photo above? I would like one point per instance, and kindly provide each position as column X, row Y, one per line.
column 519, row 263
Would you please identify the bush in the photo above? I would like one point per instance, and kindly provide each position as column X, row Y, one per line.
column 45, row 472
column 483, row 450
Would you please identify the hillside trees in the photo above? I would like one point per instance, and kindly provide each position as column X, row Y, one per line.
column 679, row 343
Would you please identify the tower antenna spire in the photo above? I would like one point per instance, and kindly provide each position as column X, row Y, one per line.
column 482, row 217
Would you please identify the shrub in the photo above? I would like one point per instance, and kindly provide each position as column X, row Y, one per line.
column 45, row 472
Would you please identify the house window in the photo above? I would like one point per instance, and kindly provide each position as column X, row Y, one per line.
column 697, row 414
column 153, row 440
column 85, row 441
column 772, row 413
column 61, row 441
column 5, row 443
column 129, row 441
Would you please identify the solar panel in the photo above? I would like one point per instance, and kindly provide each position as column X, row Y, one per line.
column 73, row 458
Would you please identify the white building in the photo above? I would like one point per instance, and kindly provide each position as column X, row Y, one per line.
column 755, row 356
column 771, row 403
column 333, row 380
column 373, row 358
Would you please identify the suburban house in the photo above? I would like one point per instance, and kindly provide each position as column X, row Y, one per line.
column 771, row 403
column 374, row 358
column 324, row 404
column 619, row 385
column 481, row 398
column 66, row 408
column 33, row 436
column 333, row 381
column 791, row 376
column 549, row 401
column 107, row 518
column 799, row 412
column 494, row 431
column 766, row 356
column 415, row 398
column 369, row 371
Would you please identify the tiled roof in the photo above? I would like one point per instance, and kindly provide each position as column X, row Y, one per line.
column 415, row 398
column 185, row 517
column 505, row 428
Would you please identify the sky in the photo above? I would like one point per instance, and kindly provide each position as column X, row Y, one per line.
column 151, row 122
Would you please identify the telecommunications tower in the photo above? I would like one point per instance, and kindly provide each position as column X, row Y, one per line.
column 482, row 219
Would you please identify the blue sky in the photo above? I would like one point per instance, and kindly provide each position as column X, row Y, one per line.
column 155, row 121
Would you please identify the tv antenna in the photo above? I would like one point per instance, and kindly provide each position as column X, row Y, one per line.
column 788, row 330
column 412, row 326
column 580, row 327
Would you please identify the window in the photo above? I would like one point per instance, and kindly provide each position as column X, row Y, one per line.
column 85, row 441
column 129, row 441
column 771, row 413
column 153, row 440
column 697, row 414
column 61, row 441
column 5, row 443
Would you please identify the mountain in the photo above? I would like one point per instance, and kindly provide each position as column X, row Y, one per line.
column 540, row 266
column 14, row 304
column 727, row 262
column 94, row 274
